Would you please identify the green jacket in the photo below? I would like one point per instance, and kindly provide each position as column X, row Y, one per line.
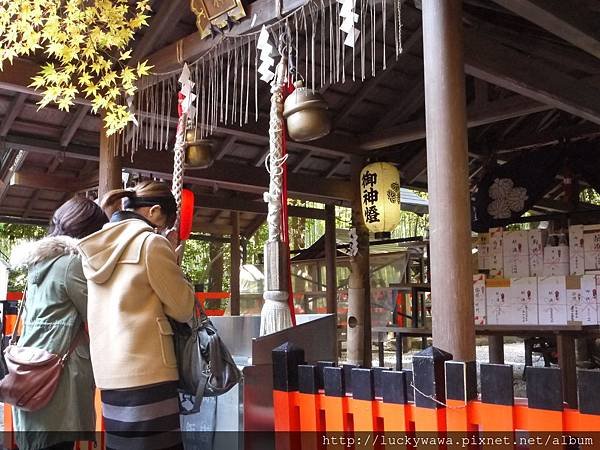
column 55, row 308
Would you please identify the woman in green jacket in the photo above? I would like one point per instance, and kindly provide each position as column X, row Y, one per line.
column 55, row 310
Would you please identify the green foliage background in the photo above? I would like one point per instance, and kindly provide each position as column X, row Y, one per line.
column 197, row 261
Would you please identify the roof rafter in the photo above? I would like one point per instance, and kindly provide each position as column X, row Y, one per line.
column 564, row 19
column 487, row 59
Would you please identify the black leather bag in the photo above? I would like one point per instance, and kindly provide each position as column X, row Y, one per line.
column 206, row 368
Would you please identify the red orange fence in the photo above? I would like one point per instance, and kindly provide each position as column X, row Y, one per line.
column 314, row 403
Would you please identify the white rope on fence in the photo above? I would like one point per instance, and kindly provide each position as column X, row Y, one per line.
column 432, row 398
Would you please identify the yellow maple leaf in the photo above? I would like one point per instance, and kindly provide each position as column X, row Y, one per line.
column 64, row 103
column 125, row 55
column 91, row 90
column 143, row 68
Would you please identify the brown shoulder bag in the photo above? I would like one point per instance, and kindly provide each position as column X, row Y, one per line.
column 33, row 373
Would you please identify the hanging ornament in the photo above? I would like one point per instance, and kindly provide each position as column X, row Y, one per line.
column 186, row 214
column 306, row 114
column 380, row 188
column 198, row 152
column 267, row 62
column 349, row 19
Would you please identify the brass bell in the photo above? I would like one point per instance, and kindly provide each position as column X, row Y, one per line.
column 198, row 152
column 306, row 114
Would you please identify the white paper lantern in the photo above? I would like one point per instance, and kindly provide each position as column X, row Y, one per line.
column 380, row 197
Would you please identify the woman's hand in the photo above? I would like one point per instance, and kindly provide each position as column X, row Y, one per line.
column 172, row 236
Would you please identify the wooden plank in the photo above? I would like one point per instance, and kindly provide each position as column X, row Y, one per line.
column 17, row 76
column 409, row 105
column 211, row 229
column 74, row 124
column 453, row 329
column 16, row 106
column 568, row 367
column 12, row 164
column 302, row 161
column 228, row 175
column 330, row 259
column 568, row 20
column 253, row 226
column 51, row 182
column 335, row 167
column 204, row 201
column 226, row 147
column 476, row 116
column 235, row 264
column 487, row 60
column 168, row 15
column 260, row 161
column 368, row 86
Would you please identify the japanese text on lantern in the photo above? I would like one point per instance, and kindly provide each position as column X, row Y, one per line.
column 370, row 197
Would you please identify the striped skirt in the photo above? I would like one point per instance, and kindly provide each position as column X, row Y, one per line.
column 144, row 418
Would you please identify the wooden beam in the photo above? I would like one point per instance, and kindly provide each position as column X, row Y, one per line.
column 234, row 284
column 487, row 60
column 74, row 124
column 567, row 20
column 368, row 86
column 409, row 105
column 17, row 76
column 526, row 139
column 51, row 182
column 16, row 106
column 253, row 226
column 167, row 16
column 204, row 201
column 12, row 164
column 258, row 13
column 210, row 228
column 302, row 161
column 260, row 160
column 335, row 167
column 330, row 259
column 31, row 203
column 226, row 146
column 228, row 175
column 476, row 116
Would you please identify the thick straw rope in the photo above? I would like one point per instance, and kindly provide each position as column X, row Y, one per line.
column 178, row 160
column 275, row 314
column 276, row 160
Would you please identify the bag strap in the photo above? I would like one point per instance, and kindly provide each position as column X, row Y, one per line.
column 13, row 338
column 75, row 343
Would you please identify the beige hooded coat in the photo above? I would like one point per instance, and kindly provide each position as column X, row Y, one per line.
column 134, row 283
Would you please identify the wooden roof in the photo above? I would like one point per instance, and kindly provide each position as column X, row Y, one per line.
column 532, row 72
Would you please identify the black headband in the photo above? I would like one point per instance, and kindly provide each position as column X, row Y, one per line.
column 166, row 203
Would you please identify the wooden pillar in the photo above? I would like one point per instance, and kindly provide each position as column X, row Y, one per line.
column 496, row 349
column 235, row 264
column 359, row 296
column 447, row 176
column 109, row 175
column 330, row 259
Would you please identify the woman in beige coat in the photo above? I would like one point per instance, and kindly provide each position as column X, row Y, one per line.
column 134, row 283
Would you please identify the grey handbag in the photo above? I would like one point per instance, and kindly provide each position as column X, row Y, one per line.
column 206, row 368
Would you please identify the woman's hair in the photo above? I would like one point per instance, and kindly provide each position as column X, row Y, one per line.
column 77, row 218
column 146, row 193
